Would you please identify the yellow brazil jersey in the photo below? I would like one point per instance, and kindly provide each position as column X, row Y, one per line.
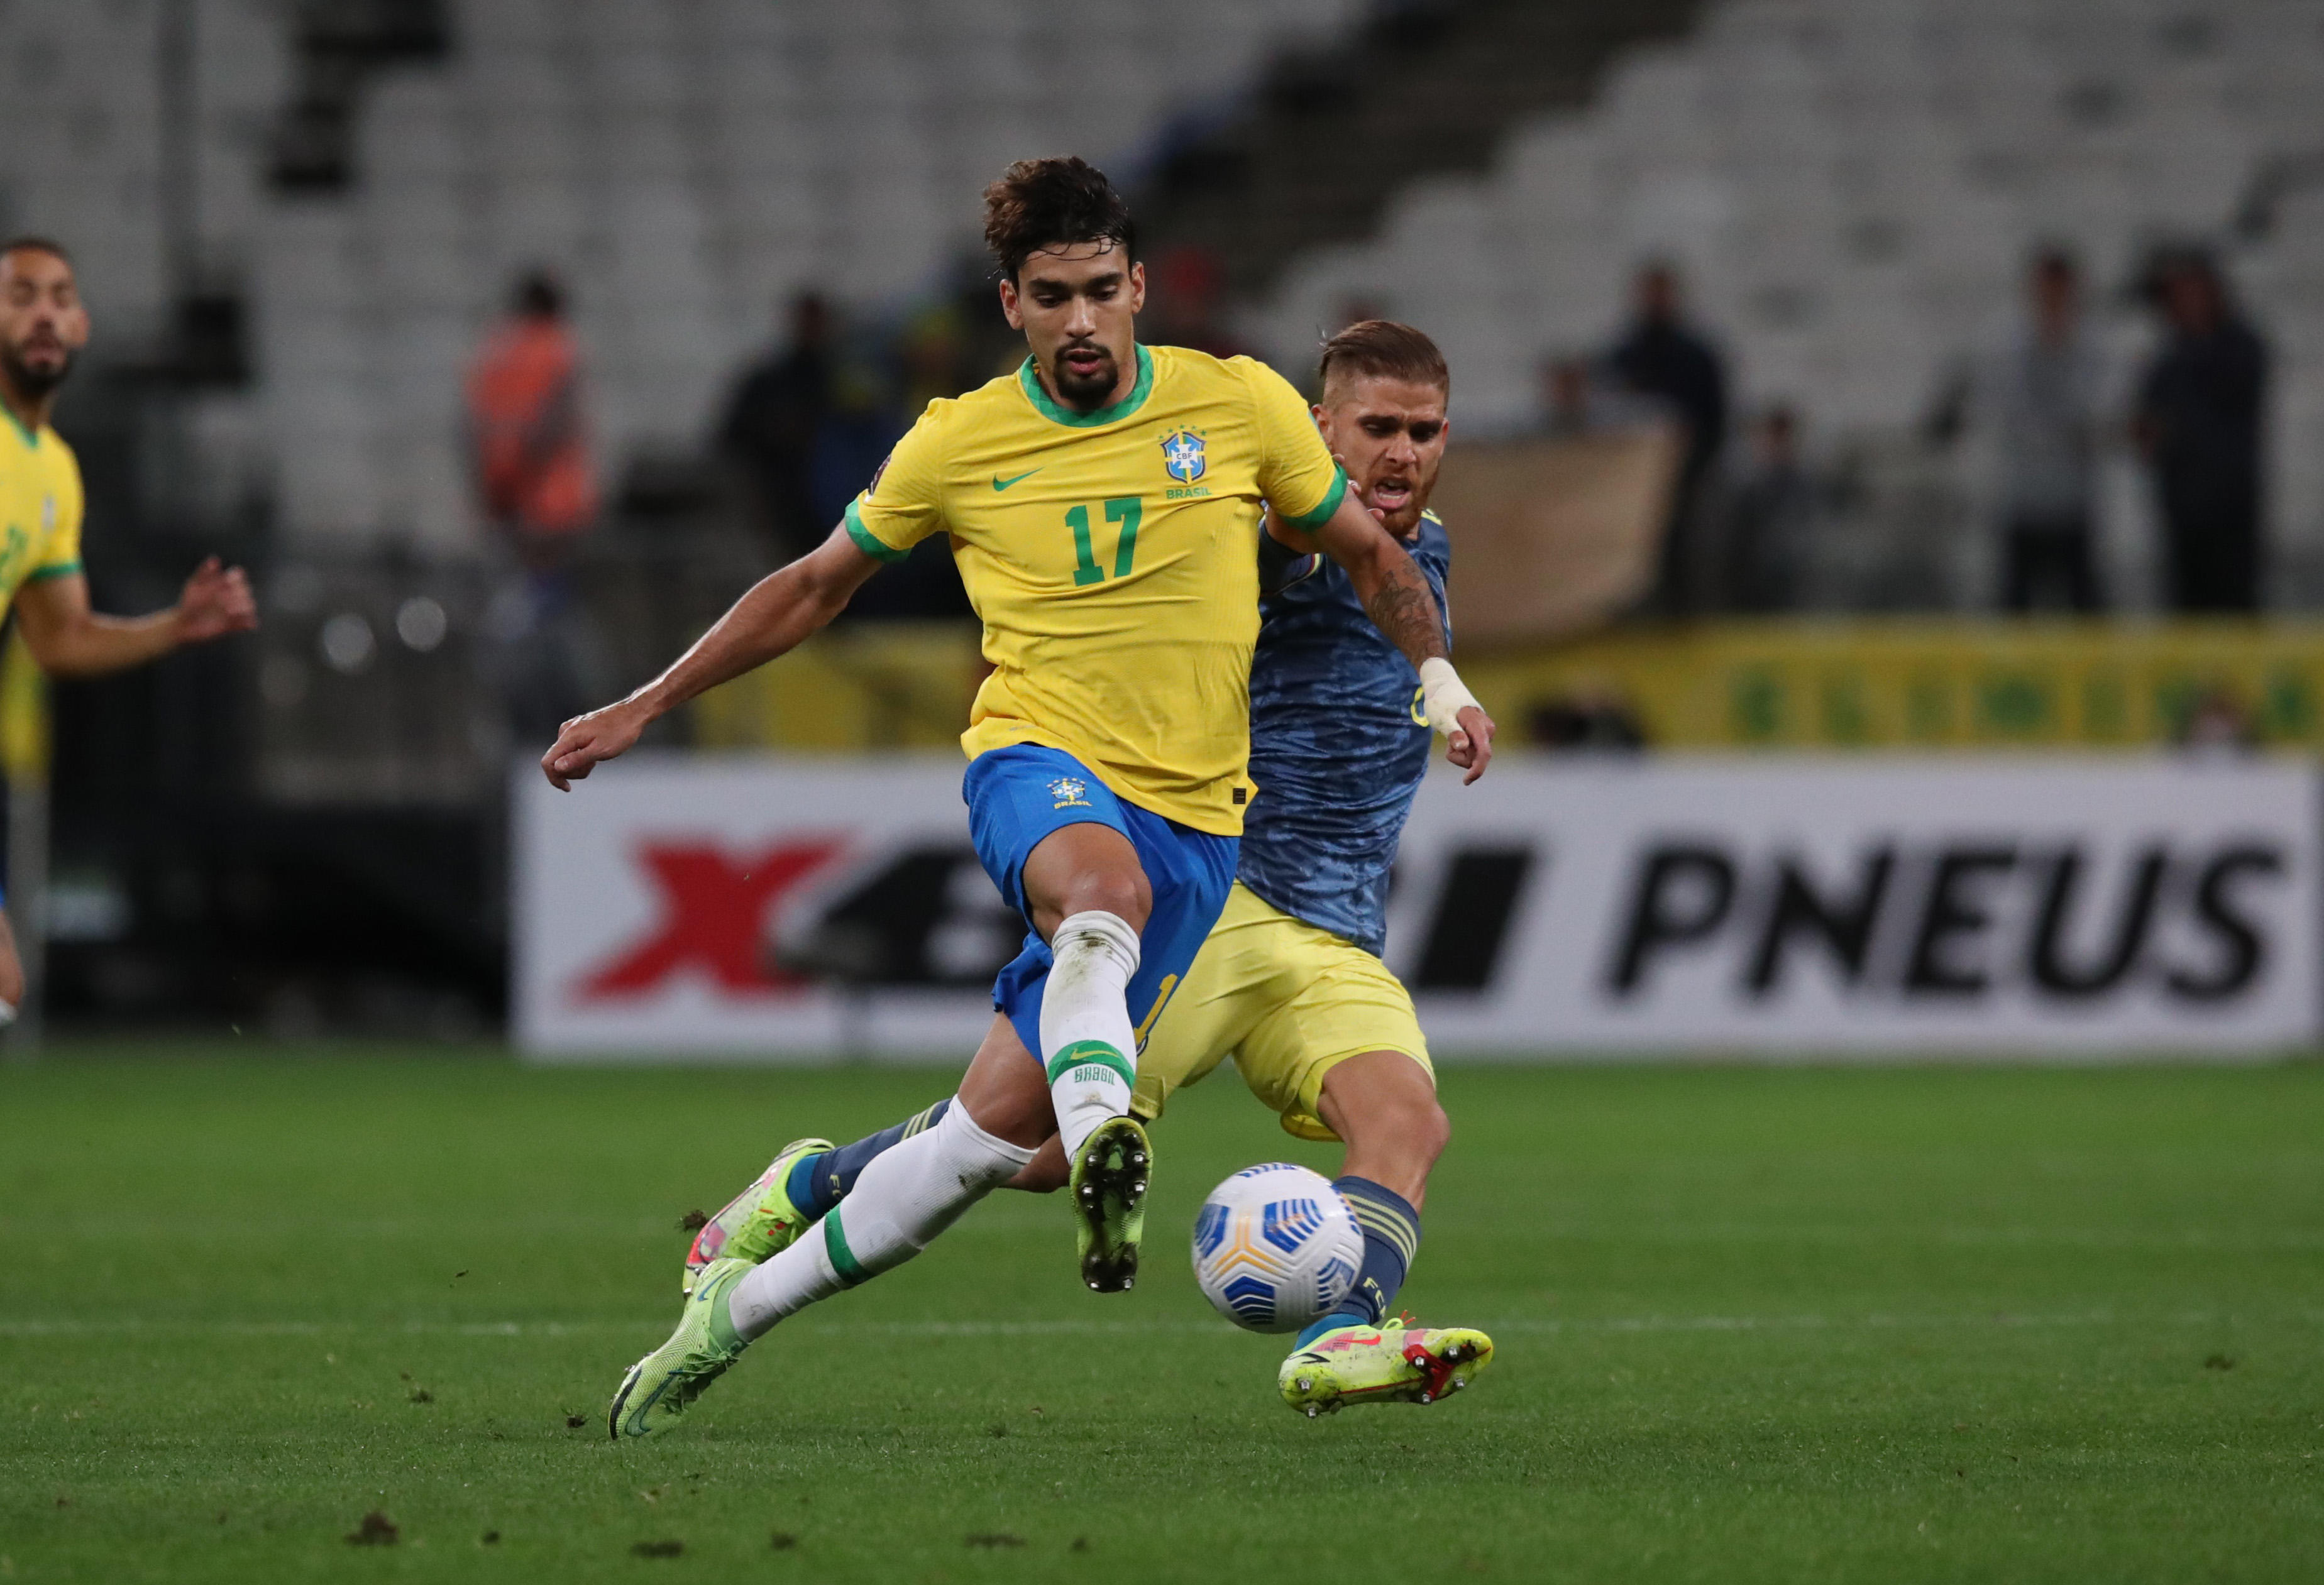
column 40, row 507
column 1112, row 559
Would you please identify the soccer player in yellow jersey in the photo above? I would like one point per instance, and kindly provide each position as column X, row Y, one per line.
column 1104, row 504
column 43, row 325
column 1290, row 983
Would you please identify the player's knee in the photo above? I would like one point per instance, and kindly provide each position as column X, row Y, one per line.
column 1409, row 1121
column 12, row 981
column 1429, row 1128
column 1380, row 1110
column 1123, row 893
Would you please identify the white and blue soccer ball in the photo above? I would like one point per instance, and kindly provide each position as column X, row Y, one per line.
column 1276, row 1248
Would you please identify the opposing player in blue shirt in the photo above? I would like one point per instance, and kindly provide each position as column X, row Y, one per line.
column 1289, row 981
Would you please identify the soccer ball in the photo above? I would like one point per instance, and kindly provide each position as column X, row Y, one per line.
column 1276, row 1248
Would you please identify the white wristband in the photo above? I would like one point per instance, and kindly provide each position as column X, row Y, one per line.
column 1443, row 695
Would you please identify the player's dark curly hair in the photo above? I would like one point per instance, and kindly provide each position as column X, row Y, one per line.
column 1046, row 203
column 1387, row 350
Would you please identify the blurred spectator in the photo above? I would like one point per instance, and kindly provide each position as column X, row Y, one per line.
column 933, row 352
column 2199, row 410
column 1187, row 289
column 534, row 473
column 1590, row 718
column 1769, row 516
column 1565, row 397
column 1663, row 357
column 2216, row 725
column 772, row 423
column 2044, row 399
column 530, row 451
column 1354, row 309
column 1575, row 402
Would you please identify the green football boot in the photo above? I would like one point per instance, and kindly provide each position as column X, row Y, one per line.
column 1385, row 1364
column 696, row 1354
column 1108, row 1185
column 756, row 1222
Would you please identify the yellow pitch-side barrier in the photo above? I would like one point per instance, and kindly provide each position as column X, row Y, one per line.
column 1804, row 684
column 1927, row 684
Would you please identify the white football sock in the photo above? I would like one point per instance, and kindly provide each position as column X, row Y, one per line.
column 907, row 1196
column 1087, row 1043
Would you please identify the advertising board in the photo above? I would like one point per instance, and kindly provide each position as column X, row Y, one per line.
column 770, row 909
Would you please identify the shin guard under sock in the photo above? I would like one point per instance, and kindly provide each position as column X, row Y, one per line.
column 903, row 1200
column 1087, row 1045
column 1391, row 1239
column 820, row 1181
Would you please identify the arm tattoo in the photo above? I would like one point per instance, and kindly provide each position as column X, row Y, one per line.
column 1403, row 609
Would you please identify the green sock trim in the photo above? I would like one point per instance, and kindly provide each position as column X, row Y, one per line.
column 843, row 1258
column 1092, row 1051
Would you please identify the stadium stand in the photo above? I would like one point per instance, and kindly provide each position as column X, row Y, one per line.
column 1852, row 186
column 372, row 171
column 684, row 166
column 87, row 151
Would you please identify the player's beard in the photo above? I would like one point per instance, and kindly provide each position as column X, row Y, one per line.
column 27, row 381
column 1085, row 393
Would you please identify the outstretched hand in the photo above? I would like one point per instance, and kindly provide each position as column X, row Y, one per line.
column 585, row 741
column 1469, row 743
column 216, row 601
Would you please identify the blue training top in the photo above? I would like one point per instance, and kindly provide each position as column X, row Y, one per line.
column 1338, row 746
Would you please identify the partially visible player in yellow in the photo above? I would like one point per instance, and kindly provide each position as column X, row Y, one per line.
column 1104, row 504
column 1290, row 983
column 43, row 325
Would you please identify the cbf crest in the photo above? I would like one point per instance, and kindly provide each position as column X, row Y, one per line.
column 1182, row 456
column 1067, row 791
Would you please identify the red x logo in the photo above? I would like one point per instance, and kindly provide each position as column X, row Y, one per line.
column 713, row 920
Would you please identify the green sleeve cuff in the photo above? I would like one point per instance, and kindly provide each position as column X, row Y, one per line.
column 63, row 569
column 868, row 542
column 1322, row 512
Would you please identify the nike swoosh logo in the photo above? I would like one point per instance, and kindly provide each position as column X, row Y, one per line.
column 1000, row 483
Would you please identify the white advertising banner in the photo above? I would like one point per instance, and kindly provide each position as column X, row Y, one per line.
column 2101, row 905
column 682, row 906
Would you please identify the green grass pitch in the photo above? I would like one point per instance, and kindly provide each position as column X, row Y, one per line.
column 1880, row 1325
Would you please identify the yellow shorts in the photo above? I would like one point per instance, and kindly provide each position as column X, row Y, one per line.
column 1287, row 1001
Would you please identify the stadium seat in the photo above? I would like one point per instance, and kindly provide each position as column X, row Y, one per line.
column 1852, row 186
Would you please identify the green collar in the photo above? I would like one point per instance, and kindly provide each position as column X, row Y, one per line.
column 1038, row 395
column 32, row 436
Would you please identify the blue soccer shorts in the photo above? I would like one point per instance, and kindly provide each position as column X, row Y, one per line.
column 1017, row 796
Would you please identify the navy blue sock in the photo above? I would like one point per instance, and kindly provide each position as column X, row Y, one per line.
column 821, row 1180
column 1391, row 1239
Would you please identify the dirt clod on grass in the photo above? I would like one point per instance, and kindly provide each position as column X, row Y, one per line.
column 994, row 1538
column 574, row 1423
column 783, row 1540
column 376, row 1529
column 2219, row 1362
column 693, row 1221
column 658, row 1548
column 420, row 1395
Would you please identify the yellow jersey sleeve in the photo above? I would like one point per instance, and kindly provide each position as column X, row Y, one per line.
column 904, row 502
column 1296, row 474
column 61, row 550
